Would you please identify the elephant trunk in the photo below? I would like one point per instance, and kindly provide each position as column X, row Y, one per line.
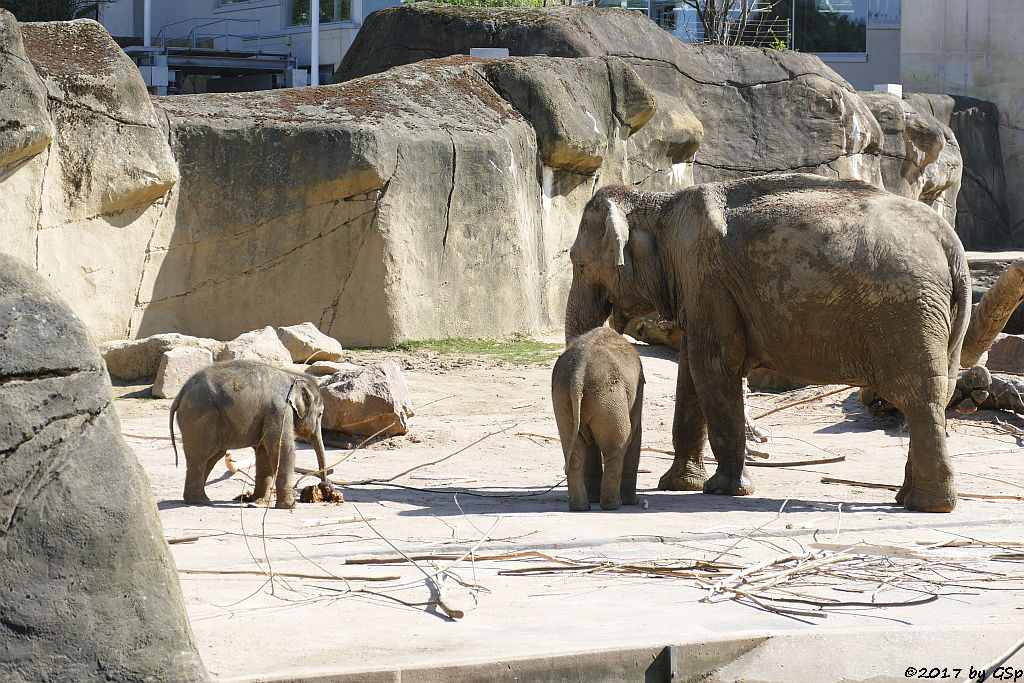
column 586, row 309
column 318, row 446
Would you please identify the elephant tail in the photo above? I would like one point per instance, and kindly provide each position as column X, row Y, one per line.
column 174, row 409
column 960, row 308
column 576, row 402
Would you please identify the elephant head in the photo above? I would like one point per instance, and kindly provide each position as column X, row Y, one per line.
column 304, row 399
column 615, row 261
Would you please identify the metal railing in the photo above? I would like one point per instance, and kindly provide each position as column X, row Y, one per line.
column 199, row 33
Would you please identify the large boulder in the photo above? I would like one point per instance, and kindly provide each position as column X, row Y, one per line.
column 353, row 239
column 367, row 400
column 88, row 589
column 131, row 359
column 263, row 346
column 176, row 366
column 306, row 343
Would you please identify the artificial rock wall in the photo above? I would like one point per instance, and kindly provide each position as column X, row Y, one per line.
column 434, row 199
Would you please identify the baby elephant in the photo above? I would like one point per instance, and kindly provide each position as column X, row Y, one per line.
column 597, row 389
column 241, row 403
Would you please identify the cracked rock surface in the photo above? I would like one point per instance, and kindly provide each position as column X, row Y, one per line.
column 88, row 590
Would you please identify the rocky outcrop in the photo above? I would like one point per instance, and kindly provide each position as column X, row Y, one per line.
column 424, row 205
column 982, row 213
column 88, row 590
column 920, row 156
column 84, row 165
column 761, row 110
column 435, row 199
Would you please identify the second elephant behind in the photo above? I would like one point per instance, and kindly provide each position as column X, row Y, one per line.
column 825, row 281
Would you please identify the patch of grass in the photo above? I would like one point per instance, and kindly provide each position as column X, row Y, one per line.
column 488, row 3
column 518, row 348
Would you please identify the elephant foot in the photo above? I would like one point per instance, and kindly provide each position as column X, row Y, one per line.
column 285, row 504
column 629, row 499
column 927, row 501
column 671, row 481
column 200, row 499
column 611, row 503
column 579, row 506
column 594, row 496
column 726, row 485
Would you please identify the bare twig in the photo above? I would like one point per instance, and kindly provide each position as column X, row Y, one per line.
column 296, row 575
column 806, row 400
column 428, row 464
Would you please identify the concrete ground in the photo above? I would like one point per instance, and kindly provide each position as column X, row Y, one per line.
column 626, row 595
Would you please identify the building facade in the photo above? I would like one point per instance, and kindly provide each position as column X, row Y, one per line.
column 240, row 30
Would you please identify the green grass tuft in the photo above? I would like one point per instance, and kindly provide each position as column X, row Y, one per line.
column 518, row 348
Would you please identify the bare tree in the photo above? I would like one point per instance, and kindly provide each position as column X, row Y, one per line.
column 725, row 21
column 53, row 10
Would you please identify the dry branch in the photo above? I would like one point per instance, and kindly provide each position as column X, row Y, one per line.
column 893, row 487
column 806, row 400
column 992, row 312
column 296, row 575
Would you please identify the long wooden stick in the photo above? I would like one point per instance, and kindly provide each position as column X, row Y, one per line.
column 296, row 575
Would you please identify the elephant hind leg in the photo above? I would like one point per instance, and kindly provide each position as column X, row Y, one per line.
column 928, row 485
column 592, row 472
column 197, row 471
column 575, row 478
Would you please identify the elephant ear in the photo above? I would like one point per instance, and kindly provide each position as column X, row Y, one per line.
column 616, row 235
column 300, row 397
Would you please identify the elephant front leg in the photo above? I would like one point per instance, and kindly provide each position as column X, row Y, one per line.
column 264, row 474
column 689, row 432
column 721, row 399
column 285, row 470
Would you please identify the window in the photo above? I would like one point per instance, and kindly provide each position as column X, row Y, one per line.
column 330, row 10
column 831, row 25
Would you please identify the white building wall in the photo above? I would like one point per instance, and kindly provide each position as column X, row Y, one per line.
column 976, row 49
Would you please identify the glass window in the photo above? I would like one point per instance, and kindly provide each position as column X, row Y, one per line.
column 831, row 26
column 330, row 10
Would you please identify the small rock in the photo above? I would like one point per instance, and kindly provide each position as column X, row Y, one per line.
column 326, row 367
column 1007, row 353
column 966, row 407
column 977, row 377
column 306, row 343
column 259, row 345
column 366, row 400
column 134, row 358
column 176, row 366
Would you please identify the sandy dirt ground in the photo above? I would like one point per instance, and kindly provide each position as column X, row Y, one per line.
column 538, row 581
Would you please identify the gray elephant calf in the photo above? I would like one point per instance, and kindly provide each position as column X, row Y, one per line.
column 241, row 403
column 597, row 389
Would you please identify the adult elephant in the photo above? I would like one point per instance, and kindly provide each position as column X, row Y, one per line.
column 823, row 280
